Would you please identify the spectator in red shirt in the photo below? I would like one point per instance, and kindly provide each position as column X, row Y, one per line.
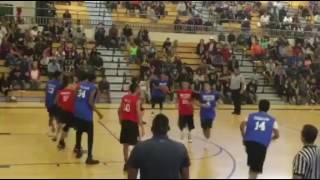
column 225, row 52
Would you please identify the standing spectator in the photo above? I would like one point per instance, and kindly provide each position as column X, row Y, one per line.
column 167, row 47
column 159, row 157
column 127, row 32
column 104, row 88
column 306, row 164
column 201, row 48
column 114, row 36
column 99, row 35
column 133, row 51
column 67, row 17
column 34, row 76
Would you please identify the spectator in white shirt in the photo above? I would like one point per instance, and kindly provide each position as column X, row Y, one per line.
column 287, row 22
column 182, row 8
column 265, row 20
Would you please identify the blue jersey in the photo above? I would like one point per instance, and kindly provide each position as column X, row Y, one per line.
column 259, row 128
column 83, row 110
column 208, row 113
column 157, row 92
column 52, row 89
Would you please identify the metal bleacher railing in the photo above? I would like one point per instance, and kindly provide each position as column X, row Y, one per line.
column 181, row 28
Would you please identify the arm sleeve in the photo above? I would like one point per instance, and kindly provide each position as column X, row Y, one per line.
column 299, row 165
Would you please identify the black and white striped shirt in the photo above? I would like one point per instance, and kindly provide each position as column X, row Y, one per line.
column 307, row 163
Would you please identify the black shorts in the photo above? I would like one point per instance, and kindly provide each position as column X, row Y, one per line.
column 256, row 156
column 206, row 124
column 83, row 125
column 129, row 132
column 186, row 121
column 158, row 100
column 53, row 111
column 66, row 118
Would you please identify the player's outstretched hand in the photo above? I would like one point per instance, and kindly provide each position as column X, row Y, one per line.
column 100, row 116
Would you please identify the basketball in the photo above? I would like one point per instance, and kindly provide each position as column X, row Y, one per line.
column 165, row 89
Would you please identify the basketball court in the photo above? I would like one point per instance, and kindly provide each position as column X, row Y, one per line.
column 27, row 152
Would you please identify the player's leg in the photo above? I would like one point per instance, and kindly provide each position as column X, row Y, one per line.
column 90, row 132
column 161, row 101
column 190, row 123
column 79, row 133
column 182, row 126
column 51, row 123
column 125, row 155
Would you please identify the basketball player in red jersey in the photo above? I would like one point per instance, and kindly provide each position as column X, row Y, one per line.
column 185, row 104
column 65, row 102
column 130, row 117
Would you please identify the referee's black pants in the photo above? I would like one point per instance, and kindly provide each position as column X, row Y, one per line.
column 236, row 98
column 85, row 126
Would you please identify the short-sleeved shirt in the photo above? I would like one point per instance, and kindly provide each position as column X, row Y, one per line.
column 185, row 98
column 159, row 158
column 307, row 162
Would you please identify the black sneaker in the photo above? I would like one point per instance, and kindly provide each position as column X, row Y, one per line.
column 78, row 153
column 125, row 167
column 91, row 161
column 144, row 123
column 76, row 150
column 61, row 145
column 54, row 139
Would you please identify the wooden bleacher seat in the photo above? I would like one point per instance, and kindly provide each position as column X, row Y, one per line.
column 2, row 62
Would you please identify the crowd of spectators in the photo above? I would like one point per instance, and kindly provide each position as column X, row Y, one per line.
column 29, row 53
column 291, row 67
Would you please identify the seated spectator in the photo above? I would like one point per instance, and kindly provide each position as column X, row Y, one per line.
column 5, row 48
column 257, row 51
column 251, row 90
column 104, row 88
column 152, row 15
column 231, row 38
column 79, row 38
column 100, row 35
column 17, row 79
column 67, row 18
column 221, row 37
column 211, row 46
column 264, row 20
column 201, row 48
column 182, row 8
column 53, row 66
column 178, row 24
column 167, row 47
column 114, row 36
column 317, row 21
column 34, row 76
column 152, row 51
column 5, row 87
column 96, row 61
column 226, row 53
column 287, row 22
column 127, row 31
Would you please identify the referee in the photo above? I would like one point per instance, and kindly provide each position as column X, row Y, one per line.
column 237, row 87
column 306, row 164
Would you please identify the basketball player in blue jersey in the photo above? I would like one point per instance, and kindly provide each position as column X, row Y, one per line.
column 52, row 88
column 258, row 131
column 84, row 107
column 208, row 100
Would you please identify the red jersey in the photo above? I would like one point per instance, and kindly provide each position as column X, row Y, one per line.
column 185, row 99
column 66, row 100
column 129, row 111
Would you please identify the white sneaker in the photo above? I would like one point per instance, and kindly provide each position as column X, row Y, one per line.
column 189, row 138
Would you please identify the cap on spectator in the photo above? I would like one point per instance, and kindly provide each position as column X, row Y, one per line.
column 211, row 38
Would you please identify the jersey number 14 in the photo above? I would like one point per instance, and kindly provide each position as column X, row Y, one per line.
column 260, row 126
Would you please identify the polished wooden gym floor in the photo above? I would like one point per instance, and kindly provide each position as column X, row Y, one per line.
column 27, row 152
